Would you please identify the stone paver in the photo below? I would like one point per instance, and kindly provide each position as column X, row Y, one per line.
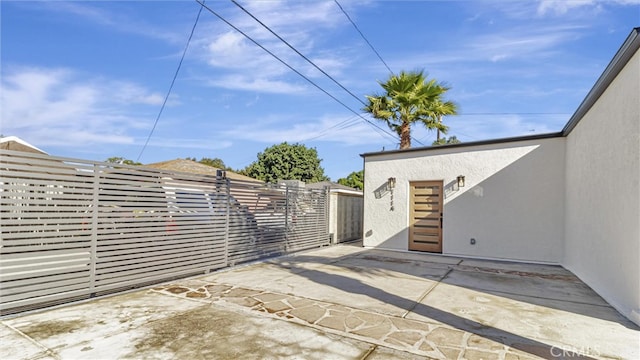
column 434, row 340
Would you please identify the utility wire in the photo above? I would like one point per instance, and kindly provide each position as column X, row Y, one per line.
column 363, row 37
column 298, row 52
column 341, row 125
column 308, row 60
column 173, row 81
column 292, row 69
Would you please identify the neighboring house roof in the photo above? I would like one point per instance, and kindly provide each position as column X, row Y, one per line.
column 620, row 59
column 332, row 187
column 190, row 166
column 16, row 144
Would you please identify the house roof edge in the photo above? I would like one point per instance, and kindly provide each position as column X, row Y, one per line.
column 467, row 144
column 619, row 61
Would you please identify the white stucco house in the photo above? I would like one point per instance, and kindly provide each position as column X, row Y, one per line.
column 570, row 198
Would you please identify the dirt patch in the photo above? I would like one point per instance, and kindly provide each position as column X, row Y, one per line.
column 196, row 295
column 202, row 333
column 177, row 290
column 47, row 329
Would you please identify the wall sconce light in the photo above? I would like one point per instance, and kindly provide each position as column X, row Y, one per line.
column 391, row 183
column 460, row 180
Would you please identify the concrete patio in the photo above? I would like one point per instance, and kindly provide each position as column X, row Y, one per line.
column 340, row 302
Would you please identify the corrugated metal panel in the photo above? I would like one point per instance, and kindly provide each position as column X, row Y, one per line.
column 72, row 228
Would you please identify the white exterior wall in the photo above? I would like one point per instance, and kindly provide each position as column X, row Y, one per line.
column 512, row 204
column 603, row 194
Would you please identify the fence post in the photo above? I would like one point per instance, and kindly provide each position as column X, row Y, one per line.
column 221, row 177
column 327, row 212
column 95, row 203
column 286, row 218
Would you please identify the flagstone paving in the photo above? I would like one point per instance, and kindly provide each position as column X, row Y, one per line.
column 340, row 302
column 431, row 339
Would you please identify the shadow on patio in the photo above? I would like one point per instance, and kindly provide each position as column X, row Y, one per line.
column 340, row 302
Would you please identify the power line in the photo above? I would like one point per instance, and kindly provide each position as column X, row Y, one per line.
column 298, row 52
column 292, row 69
column 173, row 81
column 305, row 58
column 363, row 37
column 341, row 125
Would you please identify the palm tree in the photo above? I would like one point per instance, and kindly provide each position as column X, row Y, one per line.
column 440, row 109
column 410, row 98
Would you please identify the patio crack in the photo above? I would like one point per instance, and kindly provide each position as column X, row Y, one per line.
column 424, row 295
column 47, row 351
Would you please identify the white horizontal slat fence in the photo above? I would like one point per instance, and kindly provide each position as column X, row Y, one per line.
column 73, row 229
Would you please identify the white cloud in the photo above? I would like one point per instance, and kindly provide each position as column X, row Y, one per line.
column 263, row 85
column 496, row 126
column 135, row 94
column 189, row 143
column 121, row 21
column 560, row 7
column 536, row 42
column 288, row 17
column 302, row 24
column 232, row 50
column 328, row 128
column 60, row 107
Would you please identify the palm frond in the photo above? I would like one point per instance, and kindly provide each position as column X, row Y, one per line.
column 409, row 97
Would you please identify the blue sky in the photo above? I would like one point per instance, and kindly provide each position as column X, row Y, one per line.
column 87, row 79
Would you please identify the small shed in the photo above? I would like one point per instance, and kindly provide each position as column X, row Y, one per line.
column 345, row 211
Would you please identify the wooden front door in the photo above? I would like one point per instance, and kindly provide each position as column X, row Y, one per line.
column 425, row 216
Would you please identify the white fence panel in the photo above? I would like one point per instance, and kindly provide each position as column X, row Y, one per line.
column 72, row 228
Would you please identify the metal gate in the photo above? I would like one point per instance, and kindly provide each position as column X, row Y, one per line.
column 73, row 228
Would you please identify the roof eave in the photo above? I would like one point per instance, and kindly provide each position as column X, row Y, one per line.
column 619, row 61
column 466, row 144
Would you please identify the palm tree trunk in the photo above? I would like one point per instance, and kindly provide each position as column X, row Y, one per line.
column 405, row 135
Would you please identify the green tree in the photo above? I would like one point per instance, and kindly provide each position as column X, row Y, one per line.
column 287, row 162
column 444, row 141
column 215, row 162
column 121, row 160
column 410, row 98
column 354, row 180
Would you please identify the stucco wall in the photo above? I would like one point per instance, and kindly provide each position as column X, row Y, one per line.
column 602, row 241
column 512, row 204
